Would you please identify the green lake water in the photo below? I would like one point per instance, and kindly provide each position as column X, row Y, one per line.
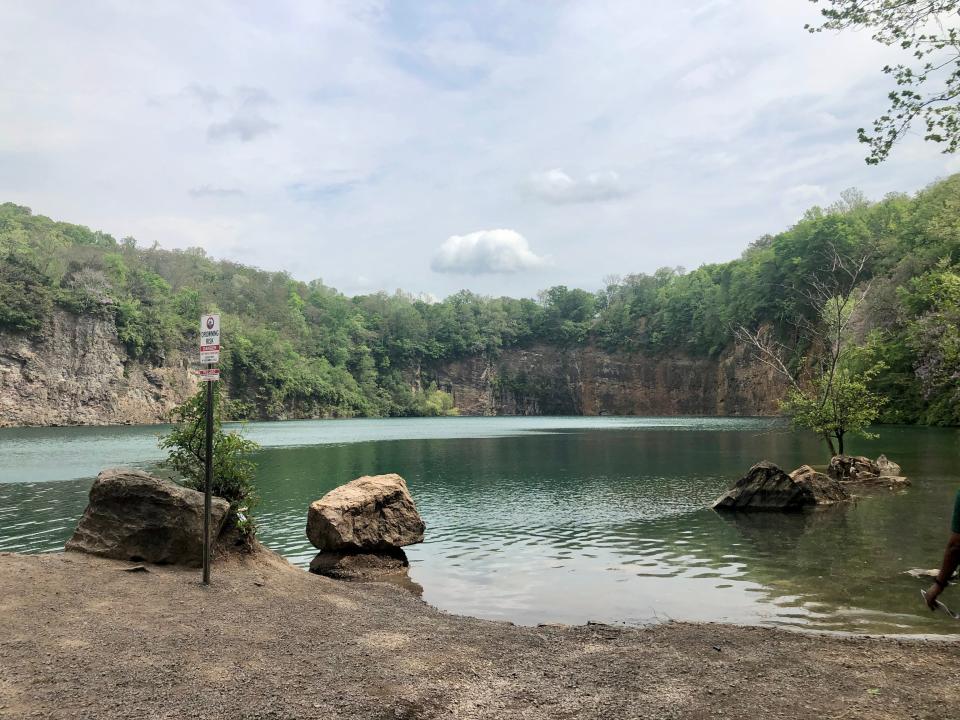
column 568, row 519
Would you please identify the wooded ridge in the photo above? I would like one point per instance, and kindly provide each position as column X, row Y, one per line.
column 304, row 349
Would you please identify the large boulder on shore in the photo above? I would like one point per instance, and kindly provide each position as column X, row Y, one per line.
column 135, row 516
column 369, row 514
column 767, row 487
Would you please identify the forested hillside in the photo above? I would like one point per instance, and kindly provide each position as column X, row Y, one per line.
column 308, row 348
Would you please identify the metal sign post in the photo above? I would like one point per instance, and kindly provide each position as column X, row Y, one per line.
column 209, row 354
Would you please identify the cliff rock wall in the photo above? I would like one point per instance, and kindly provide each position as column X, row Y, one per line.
column 545, row 380
column 77, row 372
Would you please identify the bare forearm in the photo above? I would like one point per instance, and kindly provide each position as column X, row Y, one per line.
column 951, row 559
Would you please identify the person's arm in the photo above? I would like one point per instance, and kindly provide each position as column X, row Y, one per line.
column 951, row 558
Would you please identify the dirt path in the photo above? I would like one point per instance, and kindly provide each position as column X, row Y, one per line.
column 81, row 638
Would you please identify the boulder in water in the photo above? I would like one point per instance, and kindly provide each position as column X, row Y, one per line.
column 864, row 471
column 135, row 516
column 767, row 487
column 853, row 468
column 359, row 566
column 370, row 514
column 887, row 468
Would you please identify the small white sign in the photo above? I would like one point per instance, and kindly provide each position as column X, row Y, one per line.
column 209, row 333
column 208, row 374
column 209, row 356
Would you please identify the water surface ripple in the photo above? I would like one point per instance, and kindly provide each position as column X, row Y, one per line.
column 565, row 519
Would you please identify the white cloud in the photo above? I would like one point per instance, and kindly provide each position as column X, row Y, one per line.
column 556, row 186
column 402, row 121
column 486, row 252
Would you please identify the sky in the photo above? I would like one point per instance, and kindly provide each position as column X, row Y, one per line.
column 503, row 147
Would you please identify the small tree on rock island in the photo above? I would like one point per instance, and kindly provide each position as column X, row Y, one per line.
column 233, row 471
column 836, row 406
column 826, row 393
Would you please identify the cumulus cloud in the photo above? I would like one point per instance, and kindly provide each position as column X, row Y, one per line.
column 556, row 186
column 486, row 252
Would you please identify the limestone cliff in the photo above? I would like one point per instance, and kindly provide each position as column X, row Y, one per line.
column 545, row 380
column 75, row 371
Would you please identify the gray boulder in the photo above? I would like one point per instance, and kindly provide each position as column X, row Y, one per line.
column 767, row 487
column 359, row 566
column 861, row 470
column 887, row 468
column 369, row 514
column 852, row 468
column 135, row 516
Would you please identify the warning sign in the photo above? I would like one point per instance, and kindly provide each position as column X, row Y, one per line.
column 210, row 334
column 208, row 374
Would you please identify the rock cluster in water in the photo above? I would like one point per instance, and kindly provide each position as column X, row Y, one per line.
column 360, row 528
column 863, row 470
column 135, row 516
column 768, row 487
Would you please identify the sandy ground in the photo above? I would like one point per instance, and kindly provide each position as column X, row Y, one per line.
column 81, row 638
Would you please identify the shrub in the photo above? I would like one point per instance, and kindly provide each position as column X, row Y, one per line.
column 233, row 471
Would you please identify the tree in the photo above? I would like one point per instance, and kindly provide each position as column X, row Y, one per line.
column 836, row 405
column 927, row 89
column 233, row 471
column 824, row 395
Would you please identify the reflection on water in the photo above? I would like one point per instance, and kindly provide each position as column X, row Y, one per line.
column 575, row 519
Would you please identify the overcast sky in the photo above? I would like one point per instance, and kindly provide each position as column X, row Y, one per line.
column 431, row 146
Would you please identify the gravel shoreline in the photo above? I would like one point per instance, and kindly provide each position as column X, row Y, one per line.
column 81, row 638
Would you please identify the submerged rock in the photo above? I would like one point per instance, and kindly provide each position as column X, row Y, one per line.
column 373, row 513
column 767, row 487
column 135, row 516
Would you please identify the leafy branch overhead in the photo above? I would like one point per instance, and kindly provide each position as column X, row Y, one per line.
column 928, row 85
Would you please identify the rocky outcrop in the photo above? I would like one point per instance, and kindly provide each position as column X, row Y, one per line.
column 862, row 470
column 135, row 516
column 767, row 487
column 372, row 513
column 549, row 380
column 75, row 371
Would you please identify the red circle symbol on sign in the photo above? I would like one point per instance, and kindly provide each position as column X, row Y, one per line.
column 209, row 323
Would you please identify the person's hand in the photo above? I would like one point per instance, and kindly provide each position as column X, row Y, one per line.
column 933, row 592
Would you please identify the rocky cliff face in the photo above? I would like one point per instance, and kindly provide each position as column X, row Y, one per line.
column 545, row 380
column 76, row 372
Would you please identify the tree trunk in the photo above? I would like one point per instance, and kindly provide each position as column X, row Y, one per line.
column 829, row 441
column 840, row 442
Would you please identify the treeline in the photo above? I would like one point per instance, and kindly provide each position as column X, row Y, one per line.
column 306, row 349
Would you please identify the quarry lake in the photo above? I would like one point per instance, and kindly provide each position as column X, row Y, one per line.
column 568, row 520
